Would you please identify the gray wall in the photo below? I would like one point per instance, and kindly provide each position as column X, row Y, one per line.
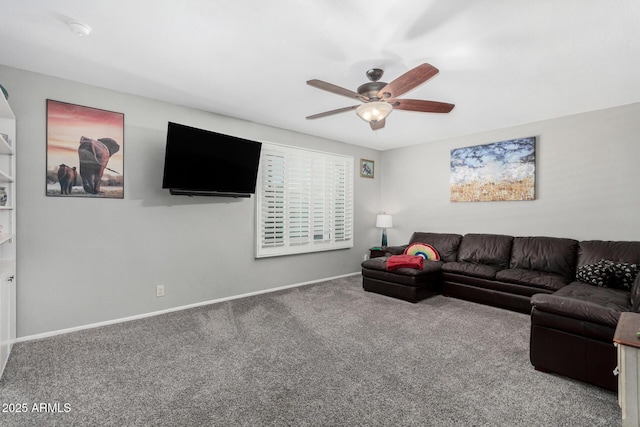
column 587, row 175
column 82, row 261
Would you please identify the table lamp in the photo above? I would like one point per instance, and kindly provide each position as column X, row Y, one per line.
column 384, row 221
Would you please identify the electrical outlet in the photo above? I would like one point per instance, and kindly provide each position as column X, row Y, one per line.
column 160, row 290
column 366, row 257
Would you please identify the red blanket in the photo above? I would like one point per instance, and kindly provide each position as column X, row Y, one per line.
column 405, row 261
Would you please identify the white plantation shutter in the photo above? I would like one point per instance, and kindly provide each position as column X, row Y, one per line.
column 304, row 201
column 343, row 201
column 271, row 216
column 319, row 208
column 299, row 197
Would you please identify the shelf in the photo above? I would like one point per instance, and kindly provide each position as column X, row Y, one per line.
column 5, row 148
column 4, row 238
column 5, row 178
column 7, row 126
column 5, row 110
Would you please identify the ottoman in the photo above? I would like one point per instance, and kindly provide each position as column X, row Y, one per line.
column 408, row 284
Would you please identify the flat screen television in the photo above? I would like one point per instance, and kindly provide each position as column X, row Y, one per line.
column 205, row 163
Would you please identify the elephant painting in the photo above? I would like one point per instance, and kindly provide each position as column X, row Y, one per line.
column 67, row 177
column 94, row 156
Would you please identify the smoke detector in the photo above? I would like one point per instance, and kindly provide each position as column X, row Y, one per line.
column 80, row 29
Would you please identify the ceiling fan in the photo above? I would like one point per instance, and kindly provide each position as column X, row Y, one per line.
column 380, row 98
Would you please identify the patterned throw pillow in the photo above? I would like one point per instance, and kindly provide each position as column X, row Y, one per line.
column 424, row 250
column 599, row 274
column 624, row 274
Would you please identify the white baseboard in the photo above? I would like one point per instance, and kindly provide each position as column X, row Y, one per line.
column 170, row 310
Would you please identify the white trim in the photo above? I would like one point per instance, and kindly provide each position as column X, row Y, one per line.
column 170, row 310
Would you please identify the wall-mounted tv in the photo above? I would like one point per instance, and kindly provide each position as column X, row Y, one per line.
column 205, row 163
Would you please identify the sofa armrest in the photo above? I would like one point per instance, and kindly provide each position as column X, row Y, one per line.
column 635, row 295
column 394, row 250
column 577, row 309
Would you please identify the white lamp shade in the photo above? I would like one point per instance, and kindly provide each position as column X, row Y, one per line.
column 384, row 221
column 374, row 111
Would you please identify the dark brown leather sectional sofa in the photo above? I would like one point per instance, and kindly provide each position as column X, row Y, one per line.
column 572, row 322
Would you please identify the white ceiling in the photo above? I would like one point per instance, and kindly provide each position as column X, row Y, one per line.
column 502, row 62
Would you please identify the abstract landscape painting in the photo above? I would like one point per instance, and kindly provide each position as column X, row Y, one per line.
column 498, row 171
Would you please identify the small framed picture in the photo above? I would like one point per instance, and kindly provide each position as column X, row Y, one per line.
column 367, row 168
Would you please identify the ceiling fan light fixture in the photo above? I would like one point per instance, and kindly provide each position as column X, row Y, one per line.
column 79, row 29
column 374, row 111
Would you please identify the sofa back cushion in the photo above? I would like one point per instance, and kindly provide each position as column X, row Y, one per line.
column 592, row 251
column 621, row 258
column 491, row 249
column 445, row 243
column 548, row 254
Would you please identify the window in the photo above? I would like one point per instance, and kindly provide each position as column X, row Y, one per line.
column 304, row 201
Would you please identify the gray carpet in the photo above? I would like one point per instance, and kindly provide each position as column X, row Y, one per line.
column 327, row 354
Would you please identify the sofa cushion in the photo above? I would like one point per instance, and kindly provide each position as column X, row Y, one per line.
column 423, row 250
column 592, row 251
column 492, row 249
column 445, row 243
column 625, row 274
column 609, row 274
column 585, row 302
column 472, row 269
column 546, row 254
column 533, row 278
column 378, row 263
column 599, row 274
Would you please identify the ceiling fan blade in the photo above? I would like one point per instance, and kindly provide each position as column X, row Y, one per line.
column 409, row 80
column 336, row 89
column 332, row 112
column 421, row 105
column 379, row 124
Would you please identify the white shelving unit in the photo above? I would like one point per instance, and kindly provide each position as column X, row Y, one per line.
column 7, row 232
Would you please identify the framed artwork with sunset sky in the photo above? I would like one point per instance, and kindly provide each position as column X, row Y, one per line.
column 85, row 151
